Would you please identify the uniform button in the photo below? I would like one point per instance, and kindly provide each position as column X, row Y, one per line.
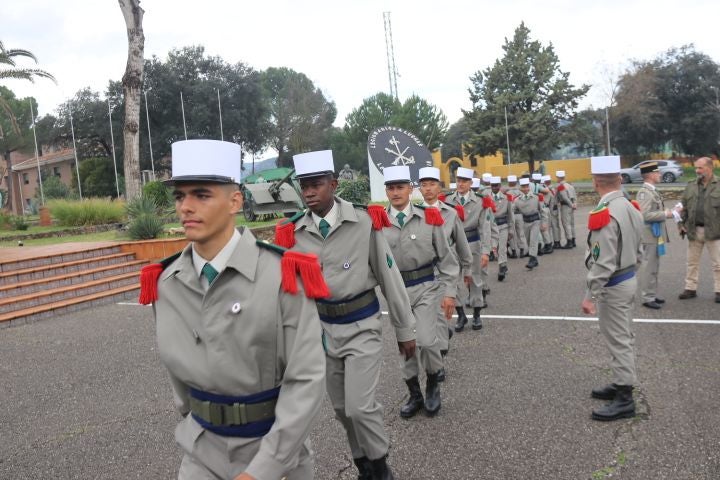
column 236, row 307
column 412, row 237
column 346, row 265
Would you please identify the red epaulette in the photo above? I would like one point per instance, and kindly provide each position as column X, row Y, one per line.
column 636, row 204
column 442, row 197
column 307, row 266
column 489, row 203
column 460, row 211
column 599, row 217
column 560, row 188
column 379, row 217
column 285, row 230
column 541, row 197
column 149, row 276
column 433, row 216
column 509, row 197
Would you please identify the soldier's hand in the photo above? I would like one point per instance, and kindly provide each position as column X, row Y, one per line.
column 543, row 228
column 244, row 476
column 468, row 280
column 448, row 306
column 588, row 306
column 407, row 349
column 484, row 260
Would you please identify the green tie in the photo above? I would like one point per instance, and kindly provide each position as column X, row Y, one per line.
column 462, row 200
column 324, row 228
column 400, row 218
column 209, row 272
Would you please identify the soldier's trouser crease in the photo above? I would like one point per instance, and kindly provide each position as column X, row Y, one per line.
column 615, row 309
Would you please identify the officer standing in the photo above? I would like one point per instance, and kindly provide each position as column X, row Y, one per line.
column 420, row 246
column 613, row 255
column 247, row 376
column 477, row 225
column 518, row 244
column 355, row 258
column 547, row 202
column 654, row 236
column 528, row 205
column 429, row 182
column 505, row 221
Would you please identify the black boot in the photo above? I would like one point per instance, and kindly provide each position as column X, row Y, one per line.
column 622, row 406
column 502, row 272
column 572, row 243
column 512, row 254
column 548, row 249
column 532, row 263
column 491, row 257
column 461, row 320
column 441, row 375
column 432, row 394
column 556, row 245
column 415, row 402
column 477, row 321
column 540, row 250
column 607, row 392
column 381, row 470
column 523, row 253
column 364, row 468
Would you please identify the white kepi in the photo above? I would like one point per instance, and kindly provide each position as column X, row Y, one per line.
column 397, row 174
column 314, row 164
column 536, row 176
column 495, row 180
column 512, row 178
column 560, row 174
column 476, row 183
column 524, row 181
column 605, row 165
column 429, row 173
column 466, row 173
column 210, row 161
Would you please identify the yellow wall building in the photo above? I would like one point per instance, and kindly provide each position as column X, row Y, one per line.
column 575, row 169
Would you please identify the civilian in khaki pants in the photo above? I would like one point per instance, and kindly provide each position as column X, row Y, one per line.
column 701, row 222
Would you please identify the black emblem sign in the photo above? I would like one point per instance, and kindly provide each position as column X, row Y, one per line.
column 392, row 147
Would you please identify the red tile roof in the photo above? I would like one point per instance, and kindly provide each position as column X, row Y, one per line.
column 47, row 159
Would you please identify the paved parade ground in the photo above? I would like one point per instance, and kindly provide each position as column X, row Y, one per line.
column 84, row 396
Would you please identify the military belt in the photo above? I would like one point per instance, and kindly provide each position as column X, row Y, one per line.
column 426, row 273
column 247, row 416
column 472, row 235
column 531, row 218
column 620, row 276
column 349, row 310
column 501, row 220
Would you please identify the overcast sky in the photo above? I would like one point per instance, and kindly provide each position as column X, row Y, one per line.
column 340, row 44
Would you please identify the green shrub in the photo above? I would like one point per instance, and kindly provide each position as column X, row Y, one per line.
column 354, row 191
column 4, row 219
column 92, row 211
column 19, row 222
column 161, row 194
column 145, row 226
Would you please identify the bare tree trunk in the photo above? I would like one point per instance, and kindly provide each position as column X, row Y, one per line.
column 132, row 83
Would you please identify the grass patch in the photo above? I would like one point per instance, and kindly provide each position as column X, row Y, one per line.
column 110, row 236
column 93, row 211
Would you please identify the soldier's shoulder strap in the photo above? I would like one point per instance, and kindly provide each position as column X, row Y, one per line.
column 433, row 216
column 599, row 217
column 293, row 264
column 149, row 275
column 285, row 230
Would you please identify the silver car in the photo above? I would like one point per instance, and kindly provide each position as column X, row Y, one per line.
column 670, row 171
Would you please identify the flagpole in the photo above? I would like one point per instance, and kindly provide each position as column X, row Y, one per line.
column 77, row 169
column 37, row 157
column 220, row 112
column 112, row 137
column 182, row 106
column 507, row 135
column 147, row 116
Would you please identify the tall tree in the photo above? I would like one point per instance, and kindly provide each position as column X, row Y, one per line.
column 14, row 132
column 132, row 83
column 537, row 94
column 300, row 116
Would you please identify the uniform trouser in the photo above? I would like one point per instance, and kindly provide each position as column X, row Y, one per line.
column 503, row 231
column 615, row 309
column 648, row 280
column 547, row 236
column 532, row 236
column 695, row 248
column 518, row 241
column 424, row 300
column 353, row 359
column 567, row 220
column 555, row 223
column 209, row 456
column 475, row 296
column 442, row 323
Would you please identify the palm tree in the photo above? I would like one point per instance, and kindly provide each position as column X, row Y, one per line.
column 10, row 70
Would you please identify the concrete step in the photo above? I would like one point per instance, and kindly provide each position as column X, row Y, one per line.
column 56, row 258
column 41, row 312
column 54, row 269
column 64, row 280
column 60, row 294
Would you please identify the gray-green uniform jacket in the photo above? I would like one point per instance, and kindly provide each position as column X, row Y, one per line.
column 528, row 205
column 616, row 247
column 477, row 223
column 457, row 240
column 653, row 210
column 711, row 208
column 355, row 258
column 241, row 337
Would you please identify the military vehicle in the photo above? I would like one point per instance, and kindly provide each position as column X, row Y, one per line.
column 271, row 192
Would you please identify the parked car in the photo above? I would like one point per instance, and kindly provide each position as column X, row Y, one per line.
column 670, row 171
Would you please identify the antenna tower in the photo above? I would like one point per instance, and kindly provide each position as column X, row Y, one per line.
column 392, row 70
